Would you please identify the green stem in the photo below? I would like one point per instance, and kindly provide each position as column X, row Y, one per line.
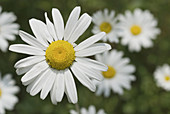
column 77, row 108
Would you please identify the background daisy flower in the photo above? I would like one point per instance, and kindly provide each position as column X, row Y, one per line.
column 106, row 22
column 90, row 110
column 138, row 29
column 162, row 77
column 56, row 56
column 8, row 29
column 119, row 73
column 7, row 93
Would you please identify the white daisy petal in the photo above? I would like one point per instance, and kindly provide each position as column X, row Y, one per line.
column 4, row 45
column 68, row 97
column 92, row 63
column 41, row 34
column 71, row 23
column 50, row 28
column 82, row 24
column 93, row 50
column 37, row 69
column 23, row 70
column 70, row 86
column 38, row 83
column 60, row 86
column 58, row 23
column 53, row 91
column 29, row 39
column 29, row 61
column 91, row 72
column 82, row 77
column 31, row 83
column 26, row 49
column 88, row 42
column 48, row 85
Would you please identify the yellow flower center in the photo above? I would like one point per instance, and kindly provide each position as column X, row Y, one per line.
column 105, row 27
column 60, row 54
column 167, row 78
column 135, row 30
column 0, row 92
column 110, row 73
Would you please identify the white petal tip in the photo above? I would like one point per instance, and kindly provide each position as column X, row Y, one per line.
column 74, row 102
column 103, row 33
column 93, row 90
column 108, row 47
column 42, row 97
column 87, row 16
column 55, row 103
column 10, row 47
column 55, row 9
column 77, row 7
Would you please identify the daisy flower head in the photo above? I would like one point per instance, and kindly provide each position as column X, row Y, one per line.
column 106, row 22
column 90, row 110
column 119, row 73
column 138, row 29
column 7, row 93
column 162, row 77
column 8, row 29
column 56, row 56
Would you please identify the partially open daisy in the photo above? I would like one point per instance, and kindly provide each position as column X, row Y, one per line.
column 7, row 93
column 8, row 29
column 138, row 29
column 162, row 77
column 56, row 56
column 119, row 73
column 90, row 110
column 106, row 22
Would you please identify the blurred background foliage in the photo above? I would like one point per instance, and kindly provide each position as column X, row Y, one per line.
column 144, row 97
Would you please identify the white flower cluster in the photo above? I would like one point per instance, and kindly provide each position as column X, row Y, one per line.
column 56, row 60
column 135, row 29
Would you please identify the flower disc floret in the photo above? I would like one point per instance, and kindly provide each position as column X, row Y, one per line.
column 105, row 27
column 136, row 30
column 167, row 78
column 110, row 73
column 60, row 54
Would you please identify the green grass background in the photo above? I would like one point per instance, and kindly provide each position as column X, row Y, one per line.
column 144, row 97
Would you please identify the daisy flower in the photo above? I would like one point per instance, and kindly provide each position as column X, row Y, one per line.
column 138, row 29
column 7, row 93
column 106, row 22
column 56, row 56
column 90, row 110
column 119, row 73
column 162, row 77
column 8, row 29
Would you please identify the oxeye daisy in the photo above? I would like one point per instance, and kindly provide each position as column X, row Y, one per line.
column 90, row 110
column 106, row 22
column 162, row 77
column 138, row 29
column 7, row 93
column 119, row 73
column 8, row 29
column 56, row 56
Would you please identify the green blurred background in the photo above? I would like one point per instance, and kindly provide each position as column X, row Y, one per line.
column 144, row 97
